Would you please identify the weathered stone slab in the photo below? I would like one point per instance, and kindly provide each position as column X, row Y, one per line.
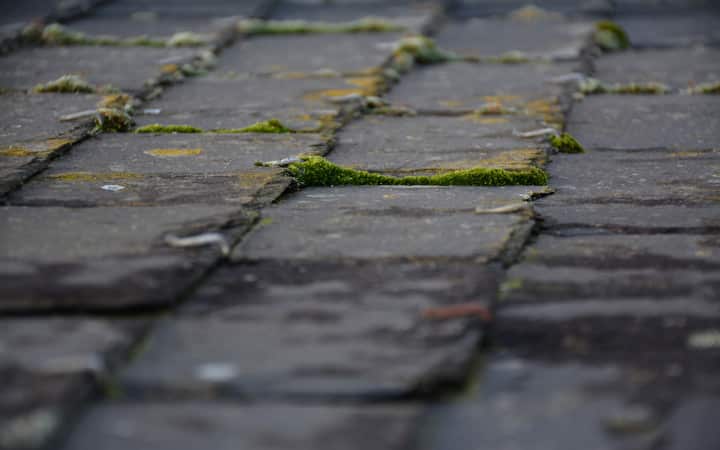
column 185, row 8
column 24, row 12
column 69, row 234
column 146, row 24
column 677, row 68
column 334, row 330
column 129, row 155
column 387, row 223
column 616, row 252
column 297, row 55
column 529, row 404
column 212, row 103
column 403, row 144
column 246, row 188
column 101, row 258
column 35, row 409
column 678, row 29
column 628, row 217
column 192, row 425
column 66, row 346
column 653, row 177
column 553, row 38
column 31, row 132
column 28, row 67
column 680, row 122
column 467, row 87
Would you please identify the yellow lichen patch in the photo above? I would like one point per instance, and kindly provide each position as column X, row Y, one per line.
column 18, row 152
column 90, row 177
column 325, row 94
column 256, row 180
column 515, row 159
column 173, row 152
column 687, row 154
column 369, row 85
column 169, row 69
column 451, row 103
column 57, row 143
column 501, row 99
column 548, row 109
column 484, row 119
column 531, row 13
column 115, row 101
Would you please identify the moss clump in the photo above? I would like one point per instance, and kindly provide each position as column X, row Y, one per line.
column 364, row 25
column 511, row 57
column 117, row 101
column 651, row 88
column 66, row 84
column 318, row 171
column 56, row 34
column 566, row 144
column 159, row 128
column 112, row 120
column 267, row 126
column 706, row 88
column 422, row 50
column 610, row 36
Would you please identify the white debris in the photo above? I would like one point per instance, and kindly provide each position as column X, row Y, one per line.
column 112, row 187
column 152, row 111
column 280, row 162
column 535, row 133
column 505, row 209
column 216, row 372
column 78, row 115
column 199, row 240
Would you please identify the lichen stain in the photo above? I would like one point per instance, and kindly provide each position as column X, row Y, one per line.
column 173, row 152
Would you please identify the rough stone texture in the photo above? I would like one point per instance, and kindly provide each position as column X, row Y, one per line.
column 207, row 103
column 652, row 177
column 298, row 54
column 553, row 38
column 186, row 8
column 678, row 68
column 158, row 27
column 402, row 144
column 35, row 118
column 245, row 188
column 65, row 346
column 34, row 408
column 467, row 87
column 674, row 120
column 101, row 258
column 388, row 223
column 192, row 425
column 682, row 29
column 30, row 66
column 334, row 330
column 203, row 154
column 530, row 404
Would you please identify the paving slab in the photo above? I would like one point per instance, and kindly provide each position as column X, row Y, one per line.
column 436, row 144
column 388, row 223
column 103, row 258
column 358, row 331
column 297, row 55
column 674, row 120
column 677, row 68
column 251, row 188
column 66, row 346
column 207, row 103
column 192, row 425
column 185, row 8
column 677, row 29
column 555, row 38
column 530, row 404
column 100, row 66
column 466, row 87
column 35, row 409
column 129, row 155
column 147, row 24
column 652, row 177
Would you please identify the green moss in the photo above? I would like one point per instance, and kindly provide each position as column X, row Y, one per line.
column 512, row 57
column 158, row 128
column 610, row 36
column 368, row 24
column 422, row 50
column 56, row 34
column 318, row 171
column 188, row 39
column 267, row 126
column 112, row 120
column 566, row 144
column 651, row 88
column 706, row 88
column 66, row 84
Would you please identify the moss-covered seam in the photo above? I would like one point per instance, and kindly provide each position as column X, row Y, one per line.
column 318, row 171
column 159, row 128
column 364, row 25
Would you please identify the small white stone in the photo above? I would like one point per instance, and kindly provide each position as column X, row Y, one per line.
column 216, row 372
column 112, row 187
